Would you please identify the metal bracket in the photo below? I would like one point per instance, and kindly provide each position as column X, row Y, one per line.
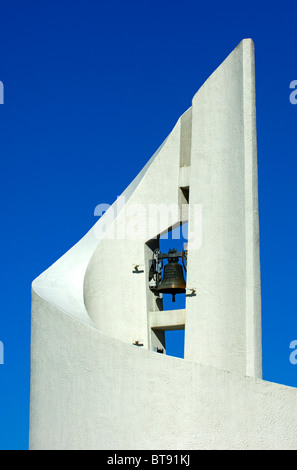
column 192, row 292
column 136, row 269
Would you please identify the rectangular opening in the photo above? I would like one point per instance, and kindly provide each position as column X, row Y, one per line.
column 176, row 239
column 175, row 343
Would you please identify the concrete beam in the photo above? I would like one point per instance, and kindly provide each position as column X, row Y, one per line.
column 168, row 320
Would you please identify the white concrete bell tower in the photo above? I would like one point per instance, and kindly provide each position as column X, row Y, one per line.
column 91, row 388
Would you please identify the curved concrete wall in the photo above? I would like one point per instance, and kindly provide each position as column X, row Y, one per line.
column 117, row 299
column 90, row 391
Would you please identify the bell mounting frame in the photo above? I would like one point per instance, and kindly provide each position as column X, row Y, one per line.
column 156, row 264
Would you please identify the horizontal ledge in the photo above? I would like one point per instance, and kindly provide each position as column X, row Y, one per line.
column 168, row 319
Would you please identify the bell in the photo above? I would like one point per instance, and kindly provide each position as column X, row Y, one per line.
column 173, row 281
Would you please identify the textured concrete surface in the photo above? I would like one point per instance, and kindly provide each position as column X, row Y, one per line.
column 90, row 391
column 226, row 270
column 91, row 388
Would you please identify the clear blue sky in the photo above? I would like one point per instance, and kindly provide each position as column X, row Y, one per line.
column 78, row 73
